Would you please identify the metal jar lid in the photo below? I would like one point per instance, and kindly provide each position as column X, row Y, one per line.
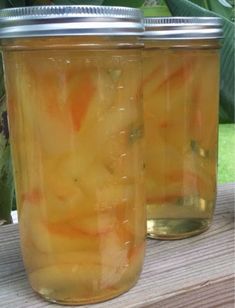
column 70, row 20
column 175, row 28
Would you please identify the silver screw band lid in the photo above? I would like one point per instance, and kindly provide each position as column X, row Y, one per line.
column 171, row 28
column 70, row 20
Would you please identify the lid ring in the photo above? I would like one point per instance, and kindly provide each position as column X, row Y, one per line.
column 66, row 20
column 165, row 28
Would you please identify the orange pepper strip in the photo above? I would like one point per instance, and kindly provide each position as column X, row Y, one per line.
column 80, row 97
column 34, row 196
column 71, row 231
column 64, row 229
column 178, row 76
column 89, row 226
column 150, row 77
column 187, row 180
column 164, row 199
column 189, row 177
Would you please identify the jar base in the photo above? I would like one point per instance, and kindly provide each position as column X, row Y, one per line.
column 86, row 301
column 173, row 229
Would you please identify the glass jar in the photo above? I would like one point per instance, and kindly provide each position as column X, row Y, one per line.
column 72, row 78
column 181, row 95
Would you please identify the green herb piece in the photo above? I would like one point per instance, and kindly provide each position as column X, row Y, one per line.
column 115, row 74
column 198, row 149
column 136, row 133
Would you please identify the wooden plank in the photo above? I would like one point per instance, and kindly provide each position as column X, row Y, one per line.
column 195, row 272
column 211, row 294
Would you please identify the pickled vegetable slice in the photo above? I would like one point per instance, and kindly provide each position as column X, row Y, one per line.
column 204, row 107
column 80, row 93
column 181, row 183
column 168, row 117
column 91, row 272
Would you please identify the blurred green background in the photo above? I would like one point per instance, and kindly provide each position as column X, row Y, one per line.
column 226, row 163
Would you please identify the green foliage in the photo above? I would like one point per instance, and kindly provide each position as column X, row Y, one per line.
column 4, row 4
column 226, row 153
column 6, row 178
column 133, row 3
column 38, row 2
column 221, row 7
column 11, row 3
column 72, row 2
column 6, row 183
column 158, row 10
column 186, row 8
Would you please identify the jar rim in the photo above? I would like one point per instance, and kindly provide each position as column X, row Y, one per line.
column 70, row 20
column 173, row 28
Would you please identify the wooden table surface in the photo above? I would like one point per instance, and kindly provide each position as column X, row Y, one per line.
column 190, row 273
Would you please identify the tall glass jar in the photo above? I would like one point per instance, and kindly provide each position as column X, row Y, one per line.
column 181, row 95
column 72, row 78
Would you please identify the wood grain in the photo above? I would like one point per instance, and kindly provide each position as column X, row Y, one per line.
column 195, row 272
